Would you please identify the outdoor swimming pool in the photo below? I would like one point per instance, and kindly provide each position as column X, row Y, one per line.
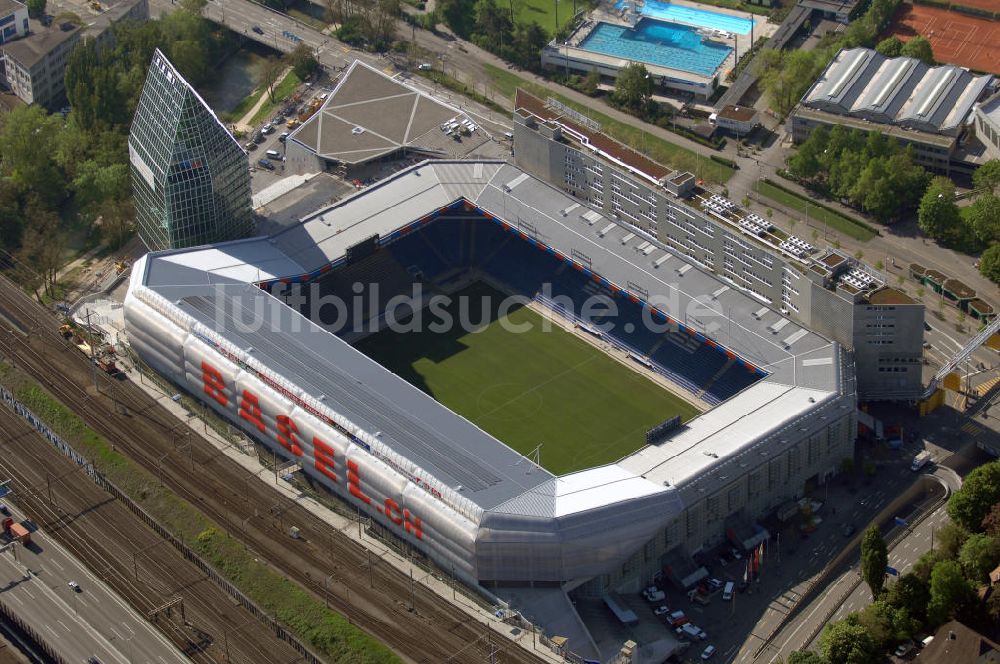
column 701, row 18
column 655, row 42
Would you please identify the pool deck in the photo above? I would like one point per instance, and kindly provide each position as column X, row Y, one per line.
column 606, row 13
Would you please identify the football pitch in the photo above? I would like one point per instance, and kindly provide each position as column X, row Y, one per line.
column 532, row 387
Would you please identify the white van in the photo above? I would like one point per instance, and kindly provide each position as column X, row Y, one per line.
column 727, row 592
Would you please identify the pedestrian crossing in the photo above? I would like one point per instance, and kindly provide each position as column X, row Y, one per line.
column 972, row 429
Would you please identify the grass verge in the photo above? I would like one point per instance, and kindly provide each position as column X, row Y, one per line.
column 283, row 89
column 528, row 382
column 658, row 149
column 328, row 632
column 453, row 84
column 837, row 222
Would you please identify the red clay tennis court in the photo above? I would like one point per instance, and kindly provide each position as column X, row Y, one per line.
column 957, row 39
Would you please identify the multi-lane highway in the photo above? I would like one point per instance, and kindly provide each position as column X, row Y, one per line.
column 78, row 625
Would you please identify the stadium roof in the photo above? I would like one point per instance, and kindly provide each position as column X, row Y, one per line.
column 899, row 91
column 369, row 115
column 803, row 367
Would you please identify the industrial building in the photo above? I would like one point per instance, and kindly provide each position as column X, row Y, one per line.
column 918, row 105
column 832, row 293
column 190, row 177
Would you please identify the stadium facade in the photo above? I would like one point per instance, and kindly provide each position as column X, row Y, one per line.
column 190, row 177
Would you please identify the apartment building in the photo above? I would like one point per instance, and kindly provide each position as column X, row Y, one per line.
column 836, row 295
column 13, row 20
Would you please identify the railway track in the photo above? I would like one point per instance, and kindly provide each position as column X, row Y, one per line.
column 127, row 555
column 323, row 560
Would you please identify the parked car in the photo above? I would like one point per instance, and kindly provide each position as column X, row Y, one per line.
column 691, row 631
column 265, row 163
column 727, row 591
column 74, row 586
column 250, row 146
column 658, row 596
column 257, row 29
column 708, row 652
column 849, row 529
column 4, row 509
column 275, row 155
column 903, row 649
column 713, row 584
column 425, row 66
column 661, row 610
column 677, row 618
column 283, row 137
column 267, row 129
column 649, row 591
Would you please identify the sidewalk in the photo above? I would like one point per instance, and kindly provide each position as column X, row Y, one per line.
column 243, row 124
column 347, row 527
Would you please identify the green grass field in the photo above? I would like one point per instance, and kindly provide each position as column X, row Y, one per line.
column 837, row 222
column 543, row 12
column 526, row 388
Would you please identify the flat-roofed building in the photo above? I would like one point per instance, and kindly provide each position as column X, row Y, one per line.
column 34, row 66
column 739, row 120
column 988, row 126
column 13, row 20
column 920, row 106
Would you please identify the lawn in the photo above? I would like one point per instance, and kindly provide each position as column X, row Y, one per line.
column 658, row 149
column 837, row 222
column 284, row 88
column 530, row 387
column 543, row 12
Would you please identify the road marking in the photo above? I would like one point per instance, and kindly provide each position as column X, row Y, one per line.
column 54, row 562
column 28, row 593
column 17, row 599
column 54, row 633
column 63, row 625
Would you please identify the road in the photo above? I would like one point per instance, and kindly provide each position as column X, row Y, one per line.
column 843, row 594
column 77, row 625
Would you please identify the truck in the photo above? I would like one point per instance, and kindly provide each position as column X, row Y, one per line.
column 920, row 460
column 16, row 531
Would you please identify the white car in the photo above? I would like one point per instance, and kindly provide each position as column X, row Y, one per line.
column 708, row 652
column 661, row 610
column 74, row 586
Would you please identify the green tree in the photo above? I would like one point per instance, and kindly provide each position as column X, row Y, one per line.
column 492, row 25
column 987, row 176
column 910, row 593
column 874, row 559
column 42, row 247
column 979, row 492
column 949, row 538
column 989, row 263
column 269, row 73
column 918, row 48
column 804, row 657
column 890, row 47
column 991, row 522
column 847, row 642
column 938, row 215
column 117, row 222
column 591, row 83
column 352, row 31
column 979, row 556
column 28, row 137
column 633, row 87
column 302, row 61
column 526, row 42
column 983, row 217
column 36, row 8
column 950, row 592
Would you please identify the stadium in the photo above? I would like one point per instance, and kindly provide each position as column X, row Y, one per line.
column 643, row 409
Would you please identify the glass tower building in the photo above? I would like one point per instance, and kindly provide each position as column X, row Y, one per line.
column 190, row 177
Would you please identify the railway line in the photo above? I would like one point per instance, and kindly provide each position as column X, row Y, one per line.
column 127, row 555
column 323, row 560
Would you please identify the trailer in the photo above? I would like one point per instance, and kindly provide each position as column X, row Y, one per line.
column 16, row 531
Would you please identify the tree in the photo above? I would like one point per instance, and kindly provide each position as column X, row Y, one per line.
column 950, row 592
column 194, row 6
column 847, row 642
column 270, row 71
column 874, row 559
column 979, row 492
column 910, row 593
column 979, row 556
column 117, row 222
column 42, row 247
column 949, row 538
column 302, row 61
column 987, row 176
column 351, row 31
column 27, row 141
column 983, row 217
column 989, row 263
column 804, row 657
column 918, row 48
column 938, row 216
column 991, row 523
column 591, row 83
column 36, row 8
column 633, row 87
column 890, row 47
